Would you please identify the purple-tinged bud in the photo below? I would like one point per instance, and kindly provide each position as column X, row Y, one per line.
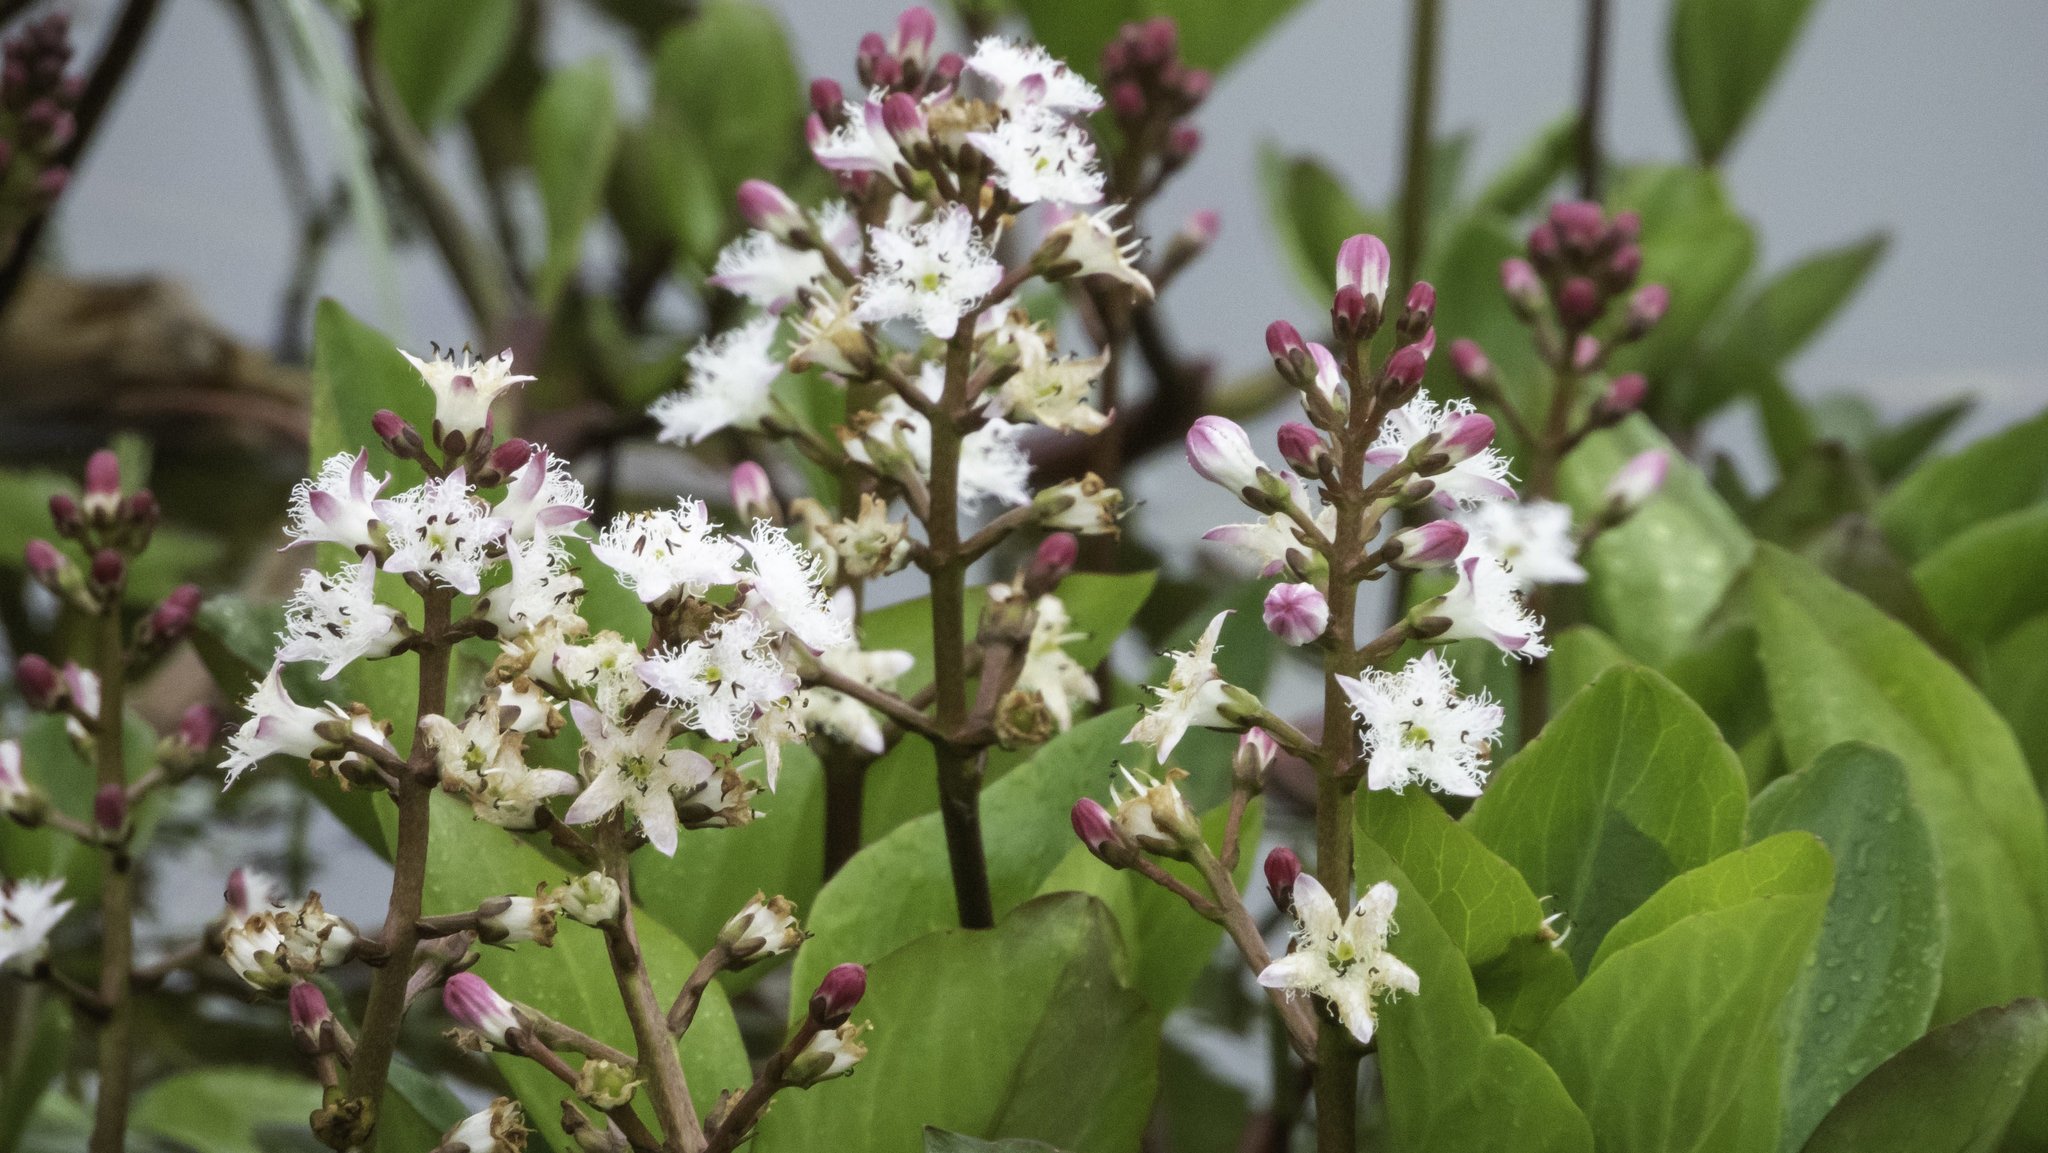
column 1627, row 227
column 753, row 496
column 1364, row 263
column 243, row 895
column 1586, row 352
column 1353, row 314
column 64, row 513
column 1523, row 287
column 310, row 1016
column 828, row 100
column 1465, row 436
column 1093, row 825
column 199, row 726
column 1116, row 55
column 1421, row 309
column 868, row 57
column 1183, row 140
column 511, row 456
column 916, row 28
column 1283, row 868
column 110, row 807
column 1543, row 245
column 1284, row 344
column 1646, row 308
column 1196, row 84
column 1578, row 303
column 81, row 689
column 44, row 562
column 1202, row 227
column 1637, row 481
column 1127, row 100
column 1256, row 752
column 1432, row 544
column 1623, row 396
column 1156, row 41
column 837, row 994
column 140, row 508
column 768, row 208
column 946, row 70
column 1056, row 557
column 904, row 119
column 387, row 424
column 1623, row 267
column 1470, row 362
column 1297, row 613
column 475, row 1005
column 1580, row 224
column 51, row 182
column 887, row 73
column 1406, row 366
column 102, row 485
column 174, row 614
column 37, row 681
column 1303, row 449
column 1220, row 451
column 109, row 568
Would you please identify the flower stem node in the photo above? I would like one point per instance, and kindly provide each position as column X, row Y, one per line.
column 766, row 927
column 1154, row 816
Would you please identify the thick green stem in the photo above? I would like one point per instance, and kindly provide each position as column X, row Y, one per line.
column 384, row 1012
column 117, row 901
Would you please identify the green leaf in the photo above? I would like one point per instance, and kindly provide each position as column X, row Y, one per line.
column 1452, row 1082
column 1984, row 581
column 1521, row 183
column 1999, row 474
column 227, row 1110
column 1724, row 55
column 1626, row 788
column 50, row 761
column 1213, row 33
column 469, row 862
column 1840, row 670
column 1670, row 1044
column 900, row 887
column 1312, row 212
column 1788, row 863
column 2015, row 681
column 31, row 1068
column 356, row 371
column 1025, row 1030
column 1479, row 900
column 1894, row 450
column 441, row 53
column 937, row 1140
column 1578, row 656
column 1780, row 318
column 1652, row 607
column 574, row 128
column 1876, row 970
column 1952, row 1091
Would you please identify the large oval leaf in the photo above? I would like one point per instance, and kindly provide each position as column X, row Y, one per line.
column 1999, row 474
column 1628, row 787
column 1952, row 1091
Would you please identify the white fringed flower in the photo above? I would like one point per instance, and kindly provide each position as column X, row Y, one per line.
column 732, row 379
column 1418, row 728
column 334, row 620
column 440, row 530
column 1049, row 390
column 993, row 463
column 766, row 271
column 668, row 552
column 1193, row 696
column 784, row 588
column 338, row 505
column 933, row 273
column 862, row 143
column 1532, row 539
column 1486, row 604
column 635, row 768
column 1480, row 476
column 1040, row 155
column 1025, row 75
column 542, row 499
column 1049, row 670
column 29, row 911
column 723, row 682
column 465, row 389
column 1093, row 244
column 541, row 590
column 277, row 725
column 1343, row 960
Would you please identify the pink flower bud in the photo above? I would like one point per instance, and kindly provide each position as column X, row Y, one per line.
column 198, row 727
column 1364, row 263
column 1283, row 341
column 947, row 70
column 309, row 1012
column 1302, row 448
column 1283, row 868
column 141, row 508
column 1127, row 100
column 1465, row 436
column 1627, row 227
column 511, row 456
column 243, row 897
column 1624, row 265
column 387, row 424
column 1638, row 480
column 1196, row 84
column 1202, row 227
column 1624, row 395
column 1183, row 140
column 1579, row 223
column 1256, row 751
column 64, row 512
column 174, row 615
column 1519, row 280
column 1470, row 361
column 827, row 98
column 837, row 994
column 1578, row 303
column 1056, row 557
column 905, row 121
column 1543, row 244
column 1586, row 351
column 1353, row 313
column 1406, row 366
column 1422, row 298
column 1156, row 41
column 768, row 208
column 44, row 562
column 1093, row 825
column 475, row 1005
column 1297, row 613
column 753, row 496
column 37, row 681
column 102, row 475
column 110, row 807
column 1432, row 544
column 1647, row 307
column 916, row 28
column 1221, row 452
column 109, row 567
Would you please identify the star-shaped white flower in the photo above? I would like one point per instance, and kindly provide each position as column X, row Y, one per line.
column 1343, row 960
column 542, row 499
column 1193, row 696
column 441, row 530
column 602, row 670
column 1049, row 390
column 338, row 505
column 668, row 552
column 1040, row 155
column 635, row 768
column 541, row 589
column 1418, row 728
column 783, row 588
column 1486, row 604
column 722, row 683
column 1093, row 244
column 766, row 271
column 732, row 380
column 933, row 273
column 465, row 389
column 1532, row 539
column 1026, row 75
column 1482, row 476
column 29, row 910
column 277, row 724
column 334, row 620
column 1049, row 670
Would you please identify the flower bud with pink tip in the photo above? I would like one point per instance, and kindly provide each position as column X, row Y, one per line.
column 475, row 1005
column 1624, row 395
column 768, row 208
column 36, row 679
column 1645, row 309
column 1256, row 752
column 1432, row 544
column 1523, row 287
column 1220, row 451
column 1056, row 557
column 1364, row 263
column 753, row 495
column 1283, row 868
column 102, row 486
column 312, row 1020
column 837, row 994
column 1297, row 613
column 1469, row 361
column 1303, row 449
column 1097, row 830
column 110, row 807
column 1637, row 481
